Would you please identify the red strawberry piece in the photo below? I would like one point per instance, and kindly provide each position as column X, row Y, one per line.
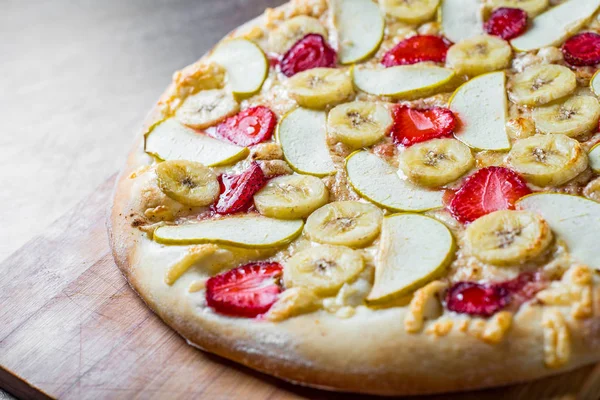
column 417, row 49
column 487, row 190
column 507, row 23
column 246, row 291
column 312, row 51
column 237, row 191
column 582, row 49
column 524, row 287
column 412, row 125
column 251, row 126
column 476, row 299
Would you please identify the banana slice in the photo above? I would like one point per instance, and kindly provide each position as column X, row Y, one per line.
column 478, row 55
column 411, row 12
column 359, row 123
column 320, row 87
column 436, row 162
column 322, row 269
column 548, row 160
column 187, row 182
column 289, row 32
column 573, row 117
column 541, row 84
column 291, row 196
column 206, row 108
column 347, row 223
column 531, row 7
column 508, row 237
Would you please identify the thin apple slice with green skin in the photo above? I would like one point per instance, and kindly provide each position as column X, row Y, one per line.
column 595, row 83
column 461, row 19
column 573, row 219
column 482, row 127
column 402, row 81
column 555, row 25
column 247, row 231
column 170, row 140
column 378, row 182
column 302, row 134
column 594, row 157
column 359, row 26
column 245, row 63
column 413, row 250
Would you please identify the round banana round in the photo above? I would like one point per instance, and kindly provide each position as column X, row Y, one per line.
column 541, row 84
column 436, row 162
column 291, row 196
column 207, row 108
column 187, row 182
column 346, row 223
column 292, row 30
column 531, row 7
column 322, row 269
column 411, row 12
column 478, row 55
column 573, row 117
column 320, row 87
column 508, row 237
column 359, row 123
column 548, row 160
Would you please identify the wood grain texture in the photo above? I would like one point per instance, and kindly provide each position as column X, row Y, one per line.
column 71, row 328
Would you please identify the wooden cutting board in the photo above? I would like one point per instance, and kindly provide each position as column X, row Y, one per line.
column 70, row 327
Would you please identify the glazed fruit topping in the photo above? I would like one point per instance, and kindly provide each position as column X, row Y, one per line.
column 582, row 49
column 487, row 299
column 417, row 49
column 312, row 51
column 251, row 126
column 413, row 125
column 237, row 191
column 506, row 23
column 476, row 299
column 487, row 190
column 246, row 291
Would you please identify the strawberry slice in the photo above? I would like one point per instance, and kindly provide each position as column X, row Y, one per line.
column 485, row 300
column 507, row 23
column 237, row 191
column 487, row 190
column 476, row 299
column 312, row 51
column 582, row 49
column 417, row 49
column 413, row 125
column 251, row 126
column 246, row 291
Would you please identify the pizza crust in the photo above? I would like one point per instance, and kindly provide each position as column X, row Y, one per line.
column 370, row 352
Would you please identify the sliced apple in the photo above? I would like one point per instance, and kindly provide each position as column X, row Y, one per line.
column 401, row 81
column 481, row 106
column 574, row 219
column 245, row 63
column 556, row 24
column 247, row 231
column 170, row 140
column 360, row 26
column 595, row 83
column 594, row 157
column 378, row 182
column 461, row 19
column 413, row 250
column 302, row 134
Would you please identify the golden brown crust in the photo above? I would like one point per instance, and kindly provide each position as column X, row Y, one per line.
column 370, row 352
